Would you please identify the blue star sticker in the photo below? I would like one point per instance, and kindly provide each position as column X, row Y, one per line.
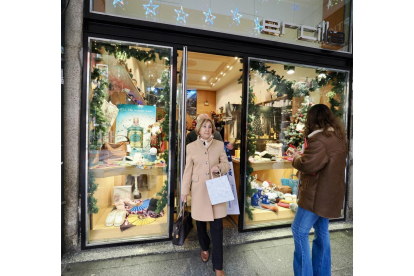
column 236, row 16
column 150, row 8
column 295, row 7
column 209, row 16
column 181, row 15
column 257, row 26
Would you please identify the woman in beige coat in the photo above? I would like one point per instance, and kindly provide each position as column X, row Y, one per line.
column 204, row 157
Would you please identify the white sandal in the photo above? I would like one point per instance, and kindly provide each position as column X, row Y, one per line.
column 119, row 218
column 110, row 218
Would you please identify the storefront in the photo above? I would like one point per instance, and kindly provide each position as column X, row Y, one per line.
column 255, row 67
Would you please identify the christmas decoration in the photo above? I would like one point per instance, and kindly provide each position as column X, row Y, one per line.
column 92, row 201
column 209, row 16
column 295, row 7
column 257, row 25
column 257, row 124
column 150, row 8
column 181, row 15
column 236, row 16
column 95, row 111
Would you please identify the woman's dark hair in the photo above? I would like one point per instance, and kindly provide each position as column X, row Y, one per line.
column 321, row 117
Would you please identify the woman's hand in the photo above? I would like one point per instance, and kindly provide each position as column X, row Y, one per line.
column 184, row 198
column 295, row 154
column 215, row 169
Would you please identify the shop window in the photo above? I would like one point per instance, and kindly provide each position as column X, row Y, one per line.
column 313, row 23
column 280, row 96
column 128, row 140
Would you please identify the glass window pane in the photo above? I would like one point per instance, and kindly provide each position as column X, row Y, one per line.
column 311, row 23
column 128, row 141
column 280, row 96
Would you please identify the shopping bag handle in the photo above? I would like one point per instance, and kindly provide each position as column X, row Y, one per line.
column 212, row 174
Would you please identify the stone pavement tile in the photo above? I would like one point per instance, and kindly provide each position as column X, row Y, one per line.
column 278, row 260
column 282, row 242
column 94, row 265
column 240, row 263
column 342, row 256
column 343, row 272
column 250, row 246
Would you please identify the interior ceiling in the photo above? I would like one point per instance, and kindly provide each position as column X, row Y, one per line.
column 218, row 71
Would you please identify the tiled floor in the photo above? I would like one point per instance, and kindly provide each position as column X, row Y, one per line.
column 270, row 257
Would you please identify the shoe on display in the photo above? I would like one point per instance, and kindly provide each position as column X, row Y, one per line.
column 110, row 218
column 119, row 218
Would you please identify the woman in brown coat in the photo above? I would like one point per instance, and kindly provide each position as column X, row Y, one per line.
column 204, row 157
column 321, row 190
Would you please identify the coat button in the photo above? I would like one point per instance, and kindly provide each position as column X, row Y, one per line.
column 207, row 162
column 205, row 152
column 206, row 173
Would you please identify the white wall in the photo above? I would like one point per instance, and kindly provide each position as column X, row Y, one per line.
column 230, row 93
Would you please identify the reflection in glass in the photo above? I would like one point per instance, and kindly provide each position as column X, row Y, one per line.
column 278, row 105
column 128, row 135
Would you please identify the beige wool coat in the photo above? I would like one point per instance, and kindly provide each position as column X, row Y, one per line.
column 199, row 162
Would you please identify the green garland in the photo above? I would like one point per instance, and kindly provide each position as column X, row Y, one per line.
column 95, row 110
column 92, row 201
column 165, row 126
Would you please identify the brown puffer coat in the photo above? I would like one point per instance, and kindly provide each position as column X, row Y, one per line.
column 322, row 181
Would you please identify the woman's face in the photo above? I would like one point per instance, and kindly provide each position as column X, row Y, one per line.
column 205, row 130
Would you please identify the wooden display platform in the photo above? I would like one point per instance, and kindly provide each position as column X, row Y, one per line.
column 267, row 216
column 269, row 165
column 125, row 170
column 101, row 232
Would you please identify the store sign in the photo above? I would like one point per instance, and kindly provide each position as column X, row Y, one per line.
column 318, row 34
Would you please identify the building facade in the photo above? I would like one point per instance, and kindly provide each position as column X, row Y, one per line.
column 137, row 73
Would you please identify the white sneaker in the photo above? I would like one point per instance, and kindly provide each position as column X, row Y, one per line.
column 110, row 218
column 119, row 218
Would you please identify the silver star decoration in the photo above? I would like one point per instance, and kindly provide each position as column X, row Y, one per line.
column 150, row 8
column 236, row 16
column 181, row 15
column 209, row 16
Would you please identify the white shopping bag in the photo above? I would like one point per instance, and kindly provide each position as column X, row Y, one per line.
column 232, row 205
column 219, row 189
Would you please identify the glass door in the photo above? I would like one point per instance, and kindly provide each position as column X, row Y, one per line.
column 181, row 123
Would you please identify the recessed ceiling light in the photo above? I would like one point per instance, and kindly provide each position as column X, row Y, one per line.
column 149, row 61
column 235, row 57
column 224, row 74
column 221, row 73
column 214, row 84
column 204, row 78
column 219, row 79
column 228, row 66
column 216, row 77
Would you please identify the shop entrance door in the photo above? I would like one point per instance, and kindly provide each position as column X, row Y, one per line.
column 209, row 84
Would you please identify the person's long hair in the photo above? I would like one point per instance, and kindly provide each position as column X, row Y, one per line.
column 321, row 117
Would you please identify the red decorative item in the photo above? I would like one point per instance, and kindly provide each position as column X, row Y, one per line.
column 284, row 205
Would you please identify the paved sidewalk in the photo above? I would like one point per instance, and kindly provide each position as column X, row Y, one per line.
column 271, row 257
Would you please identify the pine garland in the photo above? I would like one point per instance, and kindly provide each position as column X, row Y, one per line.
column 95, row 110
column 92, row 201
column 165, row 126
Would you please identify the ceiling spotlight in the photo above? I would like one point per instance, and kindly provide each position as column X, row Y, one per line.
column 152, row 75
column 216, row 77
column 228, row 66
column 149, row 62
column 214, row 84
column 221, row 73
column 203, row 77
column 290, row 69
column 235, row 57
column 224, row 74
column 219, row 79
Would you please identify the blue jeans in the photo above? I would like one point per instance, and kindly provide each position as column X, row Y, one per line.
column 320, row 263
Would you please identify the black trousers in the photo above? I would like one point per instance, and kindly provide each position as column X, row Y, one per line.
column 216, row 230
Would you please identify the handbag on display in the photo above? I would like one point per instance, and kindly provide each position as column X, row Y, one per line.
column 219, row 189
column 292, row 183
column 274, row 148
column 114, row 152
column 182, row 226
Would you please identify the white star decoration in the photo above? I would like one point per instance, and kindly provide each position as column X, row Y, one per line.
column 257, row 27
column 150, row 8
column 236, row 16
column 181, row 15
column 209, row 16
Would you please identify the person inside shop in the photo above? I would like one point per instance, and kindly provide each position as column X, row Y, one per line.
column 192, row 135
column 321, row 189
column 199, row 168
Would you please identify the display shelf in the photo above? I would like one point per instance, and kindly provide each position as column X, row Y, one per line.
column 125, row 170
column 272, row 100
column 101, row 232
column 269, row 165
column 267, row 216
